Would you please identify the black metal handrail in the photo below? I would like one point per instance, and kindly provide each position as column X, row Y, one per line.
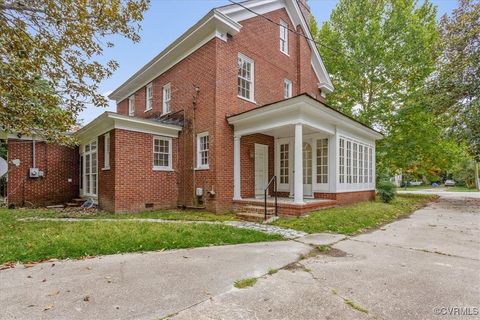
column 274, row 181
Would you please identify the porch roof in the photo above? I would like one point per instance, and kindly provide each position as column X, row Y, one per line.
column 299, row 109
column 111, row 120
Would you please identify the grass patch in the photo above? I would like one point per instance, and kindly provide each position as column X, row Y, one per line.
column 355, row 306
column 357, row 217
column 460, row 189
column 244, row 283
column 324, row 248
column 188, row 215
column 272, row 271
column 27, row 241
column 442, row 187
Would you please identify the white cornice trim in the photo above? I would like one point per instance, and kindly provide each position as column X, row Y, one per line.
column 109, row 121
column 214, row 24
column 300, row 108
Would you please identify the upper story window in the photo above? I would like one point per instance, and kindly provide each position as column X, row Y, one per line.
column 283, row 37
column 167, row 96
column 162, row 153
column 287, row 89
column 131, row 106
column 149, row 100
column 106, row 151
column 246, row 69
column 202, row 150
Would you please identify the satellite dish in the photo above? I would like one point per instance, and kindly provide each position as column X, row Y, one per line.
column 3, row 167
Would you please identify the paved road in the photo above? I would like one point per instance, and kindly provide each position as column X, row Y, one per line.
column 400, row 272
column 407, row 270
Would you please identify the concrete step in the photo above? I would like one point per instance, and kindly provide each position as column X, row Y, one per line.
column 252, row 217
column 73, row 204
column 258, row 209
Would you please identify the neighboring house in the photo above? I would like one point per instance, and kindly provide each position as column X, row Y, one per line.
column 234, row 101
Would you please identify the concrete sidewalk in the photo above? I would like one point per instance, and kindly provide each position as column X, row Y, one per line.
column 414, row 268
column 136, row 286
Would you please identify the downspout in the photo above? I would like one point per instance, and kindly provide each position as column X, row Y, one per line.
column 184, row 204
column 33, row 152
column 194, row 140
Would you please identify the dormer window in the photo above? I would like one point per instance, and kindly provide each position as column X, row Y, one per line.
column 149, row 100
column 283, row 37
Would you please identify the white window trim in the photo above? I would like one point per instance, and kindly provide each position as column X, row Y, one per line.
column 290, row 88
column 252, row 90
column 283, row 24
column 166, row 87
column 89, row 153
column 131, row 105
column 170, row 152
column 148, row 105
column 106, row 151
column 199, row 159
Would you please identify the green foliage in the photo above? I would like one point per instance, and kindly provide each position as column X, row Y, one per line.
column 417, row 145
column 354, row 218
column 382, row 53
column 387, row 191
column 49, row 60
column 38, row 240
column 3, row 149
column 464, row 173
column 244, row 283
column 454, row 90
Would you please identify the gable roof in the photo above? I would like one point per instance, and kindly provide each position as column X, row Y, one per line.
column 238, row 13
column 218, row 23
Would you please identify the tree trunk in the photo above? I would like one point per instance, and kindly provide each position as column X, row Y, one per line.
column 477, row 178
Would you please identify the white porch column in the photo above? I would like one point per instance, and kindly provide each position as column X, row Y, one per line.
column 236, row 168
column 298, row 174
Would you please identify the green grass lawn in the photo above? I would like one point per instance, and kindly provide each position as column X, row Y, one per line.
column 354, row 218
column 27, row 241
column 452, row 189
column 189, row 215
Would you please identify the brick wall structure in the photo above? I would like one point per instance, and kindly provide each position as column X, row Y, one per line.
column 59, row 164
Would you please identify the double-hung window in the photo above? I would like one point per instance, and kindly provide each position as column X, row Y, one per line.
column 342, row 161
column 149, row 100
column 167, row 96
column 202, row 150
column 131, row 106
column 106, row 151
column 283, row 37
column 162, row 153
column 284, row 163
column 287, row 89
column 246, row 69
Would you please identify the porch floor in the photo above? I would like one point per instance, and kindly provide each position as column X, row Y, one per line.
column 286, row 205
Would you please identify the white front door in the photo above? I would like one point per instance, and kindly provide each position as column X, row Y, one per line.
column 307, row 169
column 261, row 169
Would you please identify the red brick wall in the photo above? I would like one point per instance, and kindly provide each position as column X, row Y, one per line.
column 247, row 159
column 106, row 177
column 58, row 164
column 213, row 68
column 351, row 197
column 198, row 69
column 136, row 183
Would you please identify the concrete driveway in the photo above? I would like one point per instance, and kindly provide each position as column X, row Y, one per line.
column 403, row 271
column 423, row 267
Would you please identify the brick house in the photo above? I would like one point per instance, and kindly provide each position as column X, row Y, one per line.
column 234, row 101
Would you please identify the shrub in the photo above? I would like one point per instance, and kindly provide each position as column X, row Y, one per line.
column 387, row 191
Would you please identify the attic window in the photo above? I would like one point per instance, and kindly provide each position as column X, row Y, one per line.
column 283, row 37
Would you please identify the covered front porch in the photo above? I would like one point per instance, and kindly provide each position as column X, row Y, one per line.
column 297, row 143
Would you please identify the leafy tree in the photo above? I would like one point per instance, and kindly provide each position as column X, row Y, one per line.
column 379, row 53
column 49, row 59
column 455, row 87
